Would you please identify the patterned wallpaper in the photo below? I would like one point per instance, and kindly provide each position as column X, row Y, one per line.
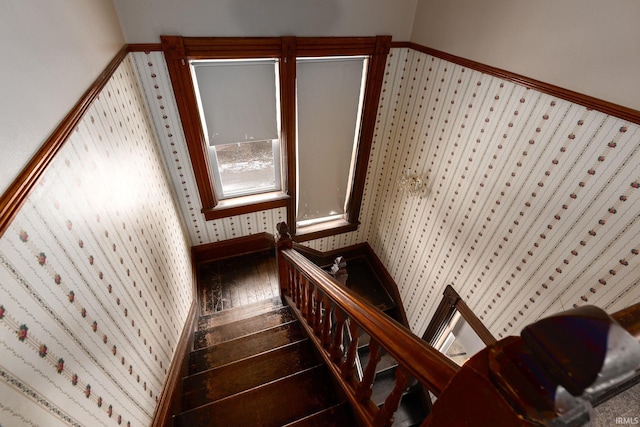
column 156, row 84
column 95, row 276
column 532, row 205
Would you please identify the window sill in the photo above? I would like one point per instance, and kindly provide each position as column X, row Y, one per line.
column 324, row 229
column 246, row 204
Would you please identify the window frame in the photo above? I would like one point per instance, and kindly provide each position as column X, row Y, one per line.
column 180, row 50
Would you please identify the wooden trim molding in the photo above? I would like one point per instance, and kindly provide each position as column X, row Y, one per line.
column 179, row 50
column 16, row 195
column 170, row 401
column 144, row 47
column 450, row 303
column 375, row 78
column 606, row 107
column 223, row 210
column 232, row 247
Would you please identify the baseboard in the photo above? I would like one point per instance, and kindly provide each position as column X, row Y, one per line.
column 326, row 258
column 232, row 247
column 387, row 281
column 170, row 402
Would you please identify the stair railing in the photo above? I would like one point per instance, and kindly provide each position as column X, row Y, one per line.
column 518, row 381
column 330, row 310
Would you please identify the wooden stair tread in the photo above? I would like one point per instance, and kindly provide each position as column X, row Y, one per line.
column 272, row 404
column 240, row 328
column 238, row 313
column 247, row 346
column 215, row 384
column 339, row 415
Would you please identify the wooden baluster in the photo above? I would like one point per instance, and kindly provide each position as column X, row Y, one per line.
column 296, row 288
column 384, row 417
column 317, row 314
column 336, row 345
column 292, row 281
column 289, row 280
column 303, row 295
column 294, row 284
column 301, row 287
column 326, row 322
column 348, row 367
column 310, row 303
column 365, row 388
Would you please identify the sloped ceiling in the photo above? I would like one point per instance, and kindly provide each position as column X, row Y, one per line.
column 143, row 21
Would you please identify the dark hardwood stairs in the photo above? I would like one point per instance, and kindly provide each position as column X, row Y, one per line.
column 254, row 366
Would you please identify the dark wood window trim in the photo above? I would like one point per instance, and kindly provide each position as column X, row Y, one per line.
column 179, row 50
column 450, row 303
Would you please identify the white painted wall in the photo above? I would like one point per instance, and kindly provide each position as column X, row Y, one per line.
column 143, row 21
column 52, row 51
column 589, row 46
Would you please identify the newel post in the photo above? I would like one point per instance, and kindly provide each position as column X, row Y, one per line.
column 283, row 241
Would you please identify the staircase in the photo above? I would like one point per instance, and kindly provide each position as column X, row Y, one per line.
column 254, row 366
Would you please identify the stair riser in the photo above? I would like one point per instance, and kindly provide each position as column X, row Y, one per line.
column 220, row 334
column 240, row 313
column 237, row 377
column 271, row 405
column 231, row 351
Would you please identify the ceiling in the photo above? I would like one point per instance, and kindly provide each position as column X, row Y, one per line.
column 143, row 21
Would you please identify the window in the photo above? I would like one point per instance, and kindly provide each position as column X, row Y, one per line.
column 328, row 90
column 238, row 102
column 298, row 138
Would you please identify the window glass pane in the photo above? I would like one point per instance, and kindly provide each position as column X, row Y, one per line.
column 328, row 92
column 246, row 167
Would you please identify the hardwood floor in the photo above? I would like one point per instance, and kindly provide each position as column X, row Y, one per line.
column 238, row 281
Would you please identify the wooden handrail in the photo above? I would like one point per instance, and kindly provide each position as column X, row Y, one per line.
column 423, row 362
column 494, row 388
column 334, row 317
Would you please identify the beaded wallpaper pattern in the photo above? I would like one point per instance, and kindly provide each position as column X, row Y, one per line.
column 532, row 202
column 95, row 276
column 156, row 83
